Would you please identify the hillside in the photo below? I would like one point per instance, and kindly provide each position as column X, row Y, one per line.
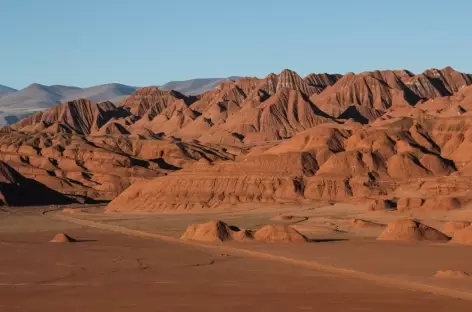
column 37, row 97
column 383, row 136
column 17, row 104
column 195, row 86
column 4, row 90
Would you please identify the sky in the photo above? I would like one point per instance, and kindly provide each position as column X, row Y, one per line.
column 150, row 42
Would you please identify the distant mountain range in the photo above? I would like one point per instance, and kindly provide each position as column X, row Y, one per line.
column 4, row 90
column 195, row 86
column 16, row 104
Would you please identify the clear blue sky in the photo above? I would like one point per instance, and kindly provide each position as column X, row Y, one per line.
column 145, row 42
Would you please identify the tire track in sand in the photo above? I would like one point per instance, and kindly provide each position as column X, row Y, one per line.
column 384, row 280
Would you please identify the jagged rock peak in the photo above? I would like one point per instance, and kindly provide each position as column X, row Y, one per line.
column 151, row 99
column 289, row 79
column 79, row 116
column 322, row 80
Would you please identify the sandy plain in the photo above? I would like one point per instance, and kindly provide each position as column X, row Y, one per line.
column 136, row 262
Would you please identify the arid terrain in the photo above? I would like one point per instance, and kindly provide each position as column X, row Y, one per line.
column 391, row 138
column 114, row 270
column 286, row 193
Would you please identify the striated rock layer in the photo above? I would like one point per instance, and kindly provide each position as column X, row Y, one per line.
column 390, row 138
column 16, row 190
column 405, row 165
column 67, row 151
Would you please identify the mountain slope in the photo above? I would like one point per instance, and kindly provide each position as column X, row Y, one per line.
column 17, row 104
column 195, row 86
column 383, row 135
column 16, row 190
column 113, row 92
column 37, row 97
column 6, row 90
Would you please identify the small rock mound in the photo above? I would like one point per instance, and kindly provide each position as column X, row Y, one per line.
column 214, row 231
column 463, row 236
column 359, row 223
column 450, row 228
column 411, row 230
column 62, row 238
column 451, row 274
column 278, row 233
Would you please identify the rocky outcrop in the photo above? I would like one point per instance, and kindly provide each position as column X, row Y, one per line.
column 328, row 161
column 278, row 233
column 80, row 116
column 411, row 230
column 258, row 179
column 371, row 136
column 16, row 190
column 322, row 81
column 98, row 167
column 153, row 101
column 215, row 231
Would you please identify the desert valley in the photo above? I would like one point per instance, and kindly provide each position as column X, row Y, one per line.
column 327, row 192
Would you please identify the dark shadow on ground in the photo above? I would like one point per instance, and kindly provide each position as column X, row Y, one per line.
column 327, row 240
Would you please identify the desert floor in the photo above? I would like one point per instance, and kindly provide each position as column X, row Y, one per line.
column 135, row 262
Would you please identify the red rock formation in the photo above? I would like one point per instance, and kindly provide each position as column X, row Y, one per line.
column 411, row 230
column 436, row 83
column 152, row 101
column 215, row 231
column 261, row 179
column 80, row 116
column 325, row 162
column 62, row 238
column 322, row 81
column 16, row 190
column 363, row 136
column 279, row 233
column 98, row 167
column 370, row 90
